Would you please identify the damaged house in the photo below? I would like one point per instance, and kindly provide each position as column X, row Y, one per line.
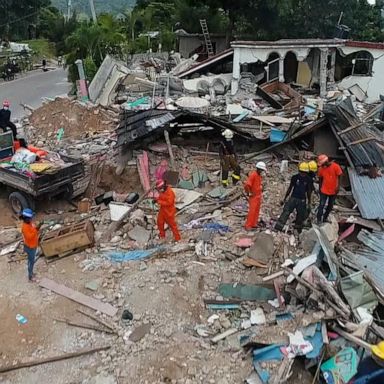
column 313, row 62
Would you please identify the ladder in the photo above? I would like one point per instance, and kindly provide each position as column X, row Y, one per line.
column 207, row 38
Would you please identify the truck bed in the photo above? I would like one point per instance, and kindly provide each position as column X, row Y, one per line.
column 45, row 183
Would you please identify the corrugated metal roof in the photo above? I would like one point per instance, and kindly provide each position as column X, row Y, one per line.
column 371, row 258
column 369, row 195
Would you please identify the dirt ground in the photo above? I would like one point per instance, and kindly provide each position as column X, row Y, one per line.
column 167, row 293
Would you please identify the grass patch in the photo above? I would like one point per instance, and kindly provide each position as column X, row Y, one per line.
column 41, row 48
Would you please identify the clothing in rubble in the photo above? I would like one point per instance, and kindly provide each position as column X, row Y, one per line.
column 253, row 187
column 329, row 175
column 299, row 193
column 5, row 121
column 228, row 161
column 167, row 213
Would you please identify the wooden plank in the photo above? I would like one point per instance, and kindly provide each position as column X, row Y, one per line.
column 95, row 318
column 223, row 335
column 273, row 276
column 272, row 120
column 46, row 360
column 346, row 130
column 78, row 297
column 85, row 326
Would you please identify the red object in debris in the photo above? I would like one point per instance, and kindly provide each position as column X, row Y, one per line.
column 39, row 152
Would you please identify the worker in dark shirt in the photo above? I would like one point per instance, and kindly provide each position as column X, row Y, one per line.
column 228, row 159
column 299, row 193
column 5, row 119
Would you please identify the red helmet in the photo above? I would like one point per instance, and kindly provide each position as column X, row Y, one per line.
column 322, row 159
column 160, row 183
column 6, row 103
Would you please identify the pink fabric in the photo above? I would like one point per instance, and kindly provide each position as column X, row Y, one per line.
column 161, row 169
column 143, row 168
column 244, row 242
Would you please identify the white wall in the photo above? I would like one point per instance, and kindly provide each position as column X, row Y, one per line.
column 373, row 86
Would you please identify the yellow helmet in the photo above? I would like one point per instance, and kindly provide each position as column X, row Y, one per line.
column 378, row 350
column 303, row 167
column 312, row 166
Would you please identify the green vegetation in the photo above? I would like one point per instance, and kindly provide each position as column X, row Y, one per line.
column 102, row 6
column 122, row 29
column 42, row 48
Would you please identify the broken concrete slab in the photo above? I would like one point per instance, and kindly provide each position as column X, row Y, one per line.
column 139, row 234
column 185, row 197
column 262, row 248
column 92, row 285
column 139, row 332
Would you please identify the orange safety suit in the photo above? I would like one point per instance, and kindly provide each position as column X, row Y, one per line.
column 167, row 213
column 253, row 186
column 30, row 235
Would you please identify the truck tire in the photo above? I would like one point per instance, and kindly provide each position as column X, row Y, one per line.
column 20, row 201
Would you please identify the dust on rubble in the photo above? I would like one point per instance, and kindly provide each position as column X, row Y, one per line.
column 128, row 181
column 77, row 119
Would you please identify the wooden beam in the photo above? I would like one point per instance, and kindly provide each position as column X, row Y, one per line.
column 46, row 360
column 351, row 128
column 95, row 318
column 78, row 297
column 84, row 326
column 170, row 151
column 361, row 141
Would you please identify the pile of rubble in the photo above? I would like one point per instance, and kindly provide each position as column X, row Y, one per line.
column 64, row 118
column 224, row 305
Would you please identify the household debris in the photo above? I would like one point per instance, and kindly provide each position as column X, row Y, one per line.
column 262, row 306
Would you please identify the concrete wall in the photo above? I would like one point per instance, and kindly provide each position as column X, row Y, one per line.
column 373, row 85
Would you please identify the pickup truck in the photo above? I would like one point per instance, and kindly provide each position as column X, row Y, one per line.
column 25, row 189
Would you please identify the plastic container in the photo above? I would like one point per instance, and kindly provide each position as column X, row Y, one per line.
column 277, row 136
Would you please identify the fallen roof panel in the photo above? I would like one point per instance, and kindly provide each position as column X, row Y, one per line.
column 368, row 194
column 206, row 63
column 370, row 259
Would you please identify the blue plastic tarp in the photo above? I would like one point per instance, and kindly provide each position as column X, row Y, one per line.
column 270, row 353
column 119, row 257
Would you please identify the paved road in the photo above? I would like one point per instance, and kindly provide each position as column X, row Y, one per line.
column 31, row 88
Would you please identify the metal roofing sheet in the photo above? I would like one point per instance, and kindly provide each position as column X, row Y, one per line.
column 371, row 258
column 369, row 195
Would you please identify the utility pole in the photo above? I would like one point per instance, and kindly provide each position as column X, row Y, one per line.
column 69, row 14
column 93, row 11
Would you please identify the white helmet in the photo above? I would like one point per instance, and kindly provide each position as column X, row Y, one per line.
column 228, row 134
column 261, row 165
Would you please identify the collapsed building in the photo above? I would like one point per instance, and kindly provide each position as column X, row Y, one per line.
column 271, row 307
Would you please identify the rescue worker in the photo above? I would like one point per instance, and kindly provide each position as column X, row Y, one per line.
column 5, row 119
column 254, row 189
column 299, row 193
column 312, row 170
column 228, row 159
column 167, row 213
column 30, row 234
column 329, row 183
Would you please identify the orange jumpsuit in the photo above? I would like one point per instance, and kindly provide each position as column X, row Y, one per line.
column 167, row 213
column 253, row 186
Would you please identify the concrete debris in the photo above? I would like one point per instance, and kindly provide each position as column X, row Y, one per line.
column 224, row 304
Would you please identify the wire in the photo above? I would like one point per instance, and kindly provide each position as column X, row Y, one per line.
column 21, row 18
